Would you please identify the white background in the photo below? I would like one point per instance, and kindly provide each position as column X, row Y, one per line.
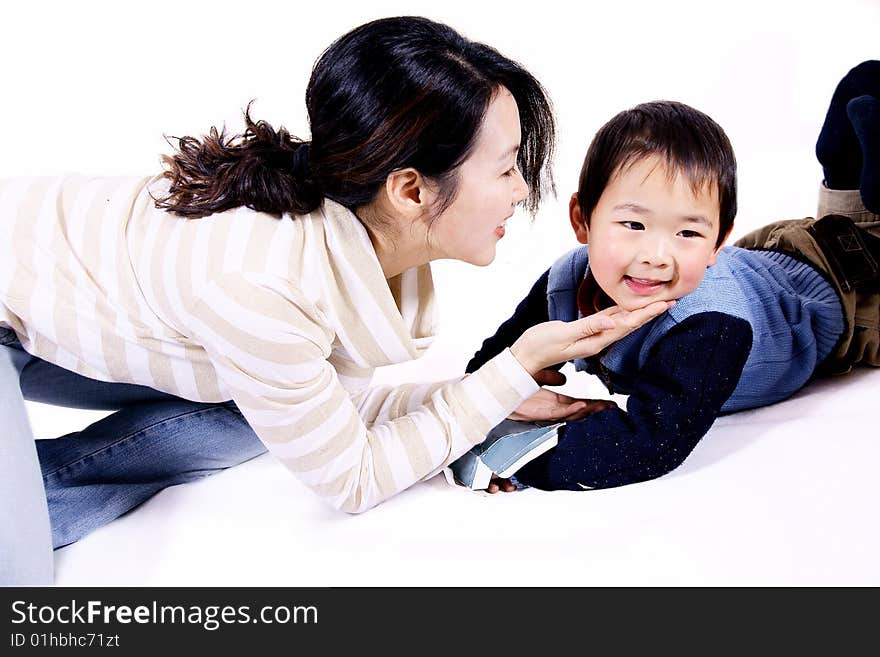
column 92, row 87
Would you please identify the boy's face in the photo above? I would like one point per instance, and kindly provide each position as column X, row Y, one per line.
column 651, row 238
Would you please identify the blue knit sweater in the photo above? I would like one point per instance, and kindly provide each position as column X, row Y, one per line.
column 752, row 334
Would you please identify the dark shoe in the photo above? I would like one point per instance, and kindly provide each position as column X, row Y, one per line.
column 838, row 147
column 864, row 114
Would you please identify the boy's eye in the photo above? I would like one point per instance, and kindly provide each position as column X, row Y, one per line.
column 690, row 233
column 633, row 225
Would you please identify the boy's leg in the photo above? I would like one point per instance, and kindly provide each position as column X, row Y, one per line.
column 25, row 538
column 844, row 243
column 845, row 247
column 848, row 203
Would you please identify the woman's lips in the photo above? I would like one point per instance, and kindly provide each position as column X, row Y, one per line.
column 499, row 230
column 643, row 286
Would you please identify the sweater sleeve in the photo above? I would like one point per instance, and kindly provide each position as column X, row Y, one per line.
column 270, row 347
column 531, row 311
column 680, row 390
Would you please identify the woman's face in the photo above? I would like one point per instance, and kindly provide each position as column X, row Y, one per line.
column 489, row 188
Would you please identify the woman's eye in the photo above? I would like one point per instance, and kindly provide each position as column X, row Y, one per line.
column 633, row 225
column 510, row 172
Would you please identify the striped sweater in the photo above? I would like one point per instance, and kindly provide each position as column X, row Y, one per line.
column 287, row 317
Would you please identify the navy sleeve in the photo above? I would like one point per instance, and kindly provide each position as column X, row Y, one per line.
column 530, row 311
column 688, row 376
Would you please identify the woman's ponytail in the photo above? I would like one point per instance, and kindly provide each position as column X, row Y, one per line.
column 263, row 169
column 396, row 93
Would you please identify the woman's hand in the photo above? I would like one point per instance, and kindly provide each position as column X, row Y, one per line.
column 556, row 342
column 546, row 405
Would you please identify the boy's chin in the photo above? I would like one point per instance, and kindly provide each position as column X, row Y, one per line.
column 636, row 304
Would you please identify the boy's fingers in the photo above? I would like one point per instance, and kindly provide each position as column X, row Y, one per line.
column 499, row 484
column 549, row 377
column 504, row 484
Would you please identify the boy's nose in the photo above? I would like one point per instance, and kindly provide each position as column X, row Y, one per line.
column 655, row 254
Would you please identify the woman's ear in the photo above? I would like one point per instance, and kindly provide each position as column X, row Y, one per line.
column 407, row 193
column 578, row 224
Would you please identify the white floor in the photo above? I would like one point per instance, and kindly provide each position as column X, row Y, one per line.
column 785, row 495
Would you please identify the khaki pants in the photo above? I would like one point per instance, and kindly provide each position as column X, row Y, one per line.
column 848, row 253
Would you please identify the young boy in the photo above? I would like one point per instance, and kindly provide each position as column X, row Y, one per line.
column 752, row 323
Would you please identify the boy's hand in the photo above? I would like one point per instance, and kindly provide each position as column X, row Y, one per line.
column 498, row 484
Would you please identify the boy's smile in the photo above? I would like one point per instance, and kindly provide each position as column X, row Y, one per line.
column 651, row 235
column 643, row 286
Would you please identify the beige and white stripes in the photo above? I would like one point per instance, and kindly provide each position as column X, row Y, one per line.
column 287, row 317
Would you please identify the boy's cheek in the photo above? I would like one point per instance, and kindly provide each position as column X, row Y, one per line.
column 688, row 282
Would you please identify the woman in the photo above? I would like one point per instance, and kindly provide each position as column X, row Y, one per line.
column 244, row 297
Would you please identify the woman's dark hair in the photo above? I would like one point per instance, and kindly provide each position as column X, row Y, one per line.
column 687, row 140
column 391, row 94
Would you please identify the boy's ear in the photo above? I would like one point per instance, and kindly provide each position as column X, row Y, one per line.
column 578, row 223
column 714, row 258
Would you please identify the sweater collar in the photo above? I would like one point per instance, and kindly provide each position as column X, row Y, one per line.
column 590, row 297
column 388, row 321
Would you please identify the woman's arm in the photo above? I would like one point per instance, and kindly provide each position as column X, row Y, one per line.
column 531, row 311
column 528, row 316
column 270, row 346
column 692, row 371
column 270, row 351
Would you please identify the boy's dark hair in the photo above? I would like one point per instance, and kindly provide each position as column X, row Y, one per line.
column 686, row 139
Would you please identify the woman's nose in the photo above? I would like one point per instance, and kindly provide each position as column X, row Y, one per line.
column 521, row 189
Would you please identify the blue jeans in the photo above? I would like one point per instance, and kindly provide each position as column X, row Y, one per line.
column 152, row 441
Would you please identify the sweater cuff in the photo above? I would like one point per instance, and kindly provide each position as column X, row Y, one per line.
column 492, row 393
